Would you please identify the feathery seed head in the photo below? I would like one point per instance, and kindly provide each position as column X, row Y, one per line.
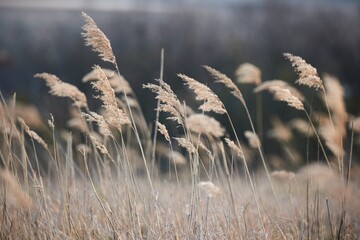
column 222, row 78
column 335, row 95
column 162, row 129
column 253, row 139
column 183, row 142
column 203, row 93
column 283, row 94
column 235, row 148
column 62, row 89
column 282, row 175
column 95, row 38
column 248, row 73
column 104, row 128
column 117, row 82
column 356, row 125
column 308, row 75
column 169, row 102
column 200, row 123
column 209, row 188
column 281, row 84
column 116, row 117
column 31, row 133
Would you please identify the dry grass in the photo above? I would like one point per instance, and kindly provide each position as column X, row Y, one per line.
column 95, row 183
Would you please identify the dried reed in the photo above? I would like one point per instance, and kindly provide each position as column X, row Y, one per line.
column 203, row 93
column 31, row 133
column 203, row 124
column 62, row 89
column 308, row 75
column 95, row 38
column 248, row 73
column 222, row 78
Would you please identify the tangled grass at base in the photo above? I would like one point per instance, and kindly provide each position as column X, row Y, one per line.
column 110, row 179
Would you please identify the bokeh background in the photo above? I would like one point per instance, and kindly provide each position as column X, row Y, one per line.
column 45, row 36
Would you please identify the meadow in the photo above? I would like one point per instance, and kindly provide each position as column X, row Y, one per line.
column 113, row 175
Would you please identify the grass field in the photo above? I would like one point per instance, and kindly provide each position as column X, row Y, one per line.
column 114, row 176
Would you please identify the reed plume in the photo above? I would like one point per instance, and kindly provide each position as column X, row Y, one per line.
column 169, row 102
column 284, row 95
column 209, row 188
column 235, row 148
column 253, row 139
column 31, row 133
column 335, row 99
column 222, row 78
column 116, row 117
column 183, row 142
column 95, row 38
column 162, row 129
column 62, row 89
column 356, row 125
column 280, row 131
column 117, row 82
column 104, row 128
column 203, row 93
column 302, row 126
column 248, row 73
column 200, row 123
column 283, row 176
column 281, row 84
column 101, row 147
column 308, row 75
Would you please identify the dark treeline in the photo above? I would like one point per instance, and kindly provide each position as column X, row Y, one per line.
column 40, row 40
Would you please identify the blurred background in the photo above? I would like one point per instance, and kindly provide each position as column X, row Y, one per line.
column 45, row 36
